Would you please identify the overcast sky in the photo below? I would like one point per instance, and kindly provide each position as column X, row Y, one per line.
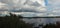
column 50, row 7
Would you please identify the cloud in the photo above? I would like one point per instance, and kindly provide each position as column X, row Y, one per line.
column 25, row 10
column 54, row 4
column 25, row 6
column 32, row 3
column 2, row 3
column 20, row 3
column 3, row 6
column 54, row 7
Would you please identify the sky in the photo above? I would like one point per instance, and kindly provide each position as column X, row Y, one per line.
column 33, row 8
column 54, row 7
column 45, row 7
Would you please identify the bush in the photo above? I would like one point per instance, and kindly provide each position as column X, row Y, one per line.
column 13, row 21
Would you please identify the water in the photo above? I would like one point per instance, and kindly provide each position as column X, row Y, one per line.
column 38, row 21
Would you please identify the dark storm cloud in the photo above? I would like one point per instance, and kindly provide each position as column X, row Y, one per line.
column 25, row 10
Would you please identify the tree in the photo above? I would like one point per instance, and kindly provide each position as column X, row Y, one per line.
column 13, row 21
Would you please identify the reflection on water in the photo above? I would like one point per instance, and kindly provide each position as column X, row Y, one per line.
column 43, row 21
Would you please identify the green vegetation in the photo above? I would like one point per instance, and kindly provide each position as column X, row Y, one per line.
column 57, row 25
column 13, row 21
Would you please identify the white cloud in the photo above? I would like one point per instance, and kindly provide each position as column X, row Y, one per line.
column 20, row 3
column 31, row 4
column 54, row 3
column 54, row 7
column 2, row 5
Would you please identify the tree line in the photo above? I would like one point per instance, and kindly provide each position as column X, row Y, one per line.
column 14, row 21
